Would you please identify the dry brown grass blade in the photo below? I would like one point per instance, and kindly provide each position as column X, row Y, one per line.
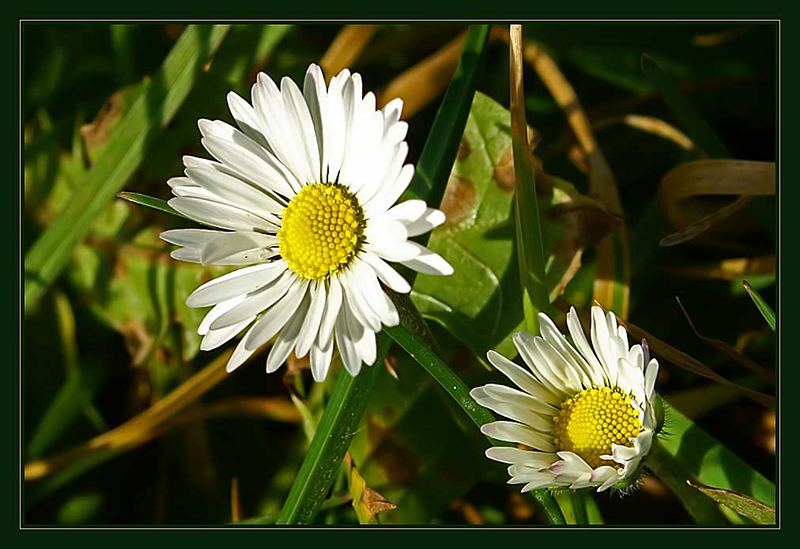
column 728, row 269
column 727, row 349
column 602, row 183
column 138, row 429
column 654, row 126
column 686, row 188
column 236, row 505
column 346, row 48
column 688, row 362
column 419, row 85
column 698, row 227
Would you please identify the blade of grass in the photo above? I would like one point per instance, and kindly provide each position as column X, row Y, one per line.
column 746, row 506
column 159, row 101
column 419, row 85
column 150, row 202
column 612, row 281
column 528, row 229
column 763, row 307
column 331, row 439
column 440, row 149
column 668, row 469
column 344, row 410
column 528, row 242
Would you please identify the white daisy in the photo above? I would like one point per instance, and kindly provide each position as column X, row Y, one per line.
column 302, row 194
column 584, row 417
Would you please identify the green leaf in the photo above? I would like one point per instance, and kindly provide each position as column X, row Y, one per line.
column 763, row 307
column 744, row 505
column 685, row 452
column 124, row 152
column 480, row 303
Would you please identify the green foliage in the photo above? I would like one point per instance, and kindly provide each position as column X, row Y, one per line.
column 107, row 334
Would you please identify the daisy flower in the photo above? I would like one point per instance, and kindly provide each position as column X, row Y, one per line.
column 584, row 415
column 301, row 196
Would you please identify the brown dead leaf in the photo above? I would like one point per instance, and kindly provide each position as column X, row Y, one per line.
column 697, row 195
column 367, row 501
column 425, row 81
column 346, row 48
column 458, row 202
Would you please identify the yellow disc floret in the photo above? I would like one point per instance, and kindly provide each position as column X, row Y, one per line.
column 321, row 231
column 594, row 419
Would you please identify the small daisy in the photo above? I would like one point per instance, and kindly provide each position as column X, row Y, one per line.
column 584, row 416
column 302, row 197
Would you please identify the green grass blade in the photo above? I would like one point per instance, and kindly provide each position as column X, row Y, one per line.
column 436, row 160
column 151, row 202
column 763, row 307
column 528, row 236
column 687, row 453
column 124, row 152
column 667, row 468
column 440, row 371
column 746, row 506
column 336, row 427
column 327, row 449
column 459, row 391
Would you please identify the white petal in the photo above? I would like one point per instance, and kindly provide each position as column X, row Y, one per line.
column 509, row 394
column 386, row 273
column 521, row 378
column 236, row 192
column 321, row 359
column 505, row 454
column 218, row 310
column 192, row 238
column 345, row 343
column 246, row 158
column 245, row 118
column 596, row 371
column 650, row 376
column 512, row 410
column 241, row 281
column 310, row 329
column 285, row 342
column 216, row 338
column 331, row 313
column 258, row 301
column 217, row 214
column 276, row 317
column 509, row 431
column 298, row 113
column 428, row 262
column 238, row 248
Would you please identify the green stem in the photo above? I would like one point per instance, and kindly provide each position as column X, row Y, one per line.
column 550, row 507
column 579, row 507
column 331, row 440
column 458, row 390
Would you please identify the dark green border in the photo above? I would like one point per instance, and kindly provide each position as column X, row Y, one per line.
column 316, row 10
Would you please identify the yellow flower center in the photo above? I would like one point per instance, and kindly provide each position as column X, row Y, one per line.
column 321, row 231
column 594, row 419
